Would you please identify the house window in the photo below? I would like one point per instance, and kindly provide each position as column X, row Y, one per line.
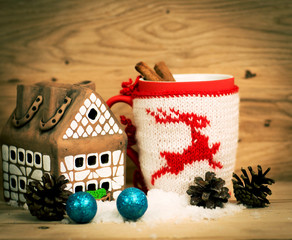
column 12, row 155
column 91, row 187
column 22, row 184
column 13, row 183
column 106, row 184
column 38, row 160
column 93, row 113
column 21, row 155
column 91, row 160
column 29, row 158
column 79, row 162
column 78, row 189
column 105, row 159
column 79, row 186
column 29, row 181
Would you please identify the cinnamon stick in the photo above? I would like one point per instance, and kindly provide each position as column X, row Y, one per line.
column 163, row 71
column 147, row 72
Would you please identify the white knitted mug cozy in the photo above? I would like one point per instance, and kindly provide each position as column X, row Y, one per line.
column 186, row 128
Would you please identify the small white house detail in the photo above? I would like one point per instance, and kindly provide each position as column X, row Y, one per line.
column 92, row 119
column 21, row 166
column 94, row 171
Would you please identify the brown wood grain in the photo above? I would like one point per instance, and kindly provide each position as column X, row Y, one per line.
column 72, row 41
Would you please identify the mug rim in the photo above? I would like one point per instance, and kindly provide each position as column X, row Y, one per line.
column 200, row 77
column 193, row 77
column 223, row 85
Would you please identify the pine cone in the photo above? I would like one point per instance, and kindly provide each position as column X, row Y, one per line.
column 47, row 200
column 254, row 192
column 210, row 192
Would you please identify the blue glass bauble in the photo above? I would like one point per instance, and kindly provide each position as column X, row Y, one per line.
column 81, row 207
column 132, row 203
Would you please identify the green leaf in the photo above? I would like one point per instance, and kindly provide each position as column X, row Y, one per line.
column 98, row 194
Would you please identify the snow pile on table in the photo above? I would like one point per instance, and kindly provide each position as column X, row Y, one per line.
column 163, row 207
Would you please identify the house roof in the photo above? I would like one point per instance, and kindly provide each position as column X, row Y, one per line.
column 74, row 111
column 93, row 118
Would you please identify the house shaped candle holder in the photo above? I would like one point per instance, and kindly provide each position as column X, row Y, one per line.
column 62, row 129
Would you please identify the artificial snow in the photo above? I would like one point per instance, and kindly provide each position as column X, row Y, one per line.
column 65, row 221
column 165, row 206
column 14, row 203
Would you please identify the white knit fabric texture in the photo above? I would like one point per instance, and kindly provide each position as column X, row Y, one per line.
column 154, row 138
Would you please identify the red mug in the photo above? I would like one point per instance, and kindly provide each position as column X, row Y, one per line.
column 183, row 129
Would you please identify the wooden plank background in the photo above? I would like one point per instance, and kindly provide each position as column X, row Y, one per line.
column 72, row 41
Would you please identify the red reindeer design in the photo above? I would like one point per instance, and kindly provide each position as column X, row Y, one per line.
column 199, row 149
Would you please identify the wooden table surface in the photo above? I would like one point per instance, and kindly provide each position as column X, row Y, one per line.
column 101, row 41
column 273, row 222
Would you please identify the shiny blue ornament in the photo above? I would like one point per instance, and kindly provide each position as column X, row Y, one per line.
column 81, row 207
column 132, row 203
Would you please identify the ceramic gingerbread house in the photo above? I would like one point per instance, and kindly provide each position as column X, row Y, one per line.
column 62, row 129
